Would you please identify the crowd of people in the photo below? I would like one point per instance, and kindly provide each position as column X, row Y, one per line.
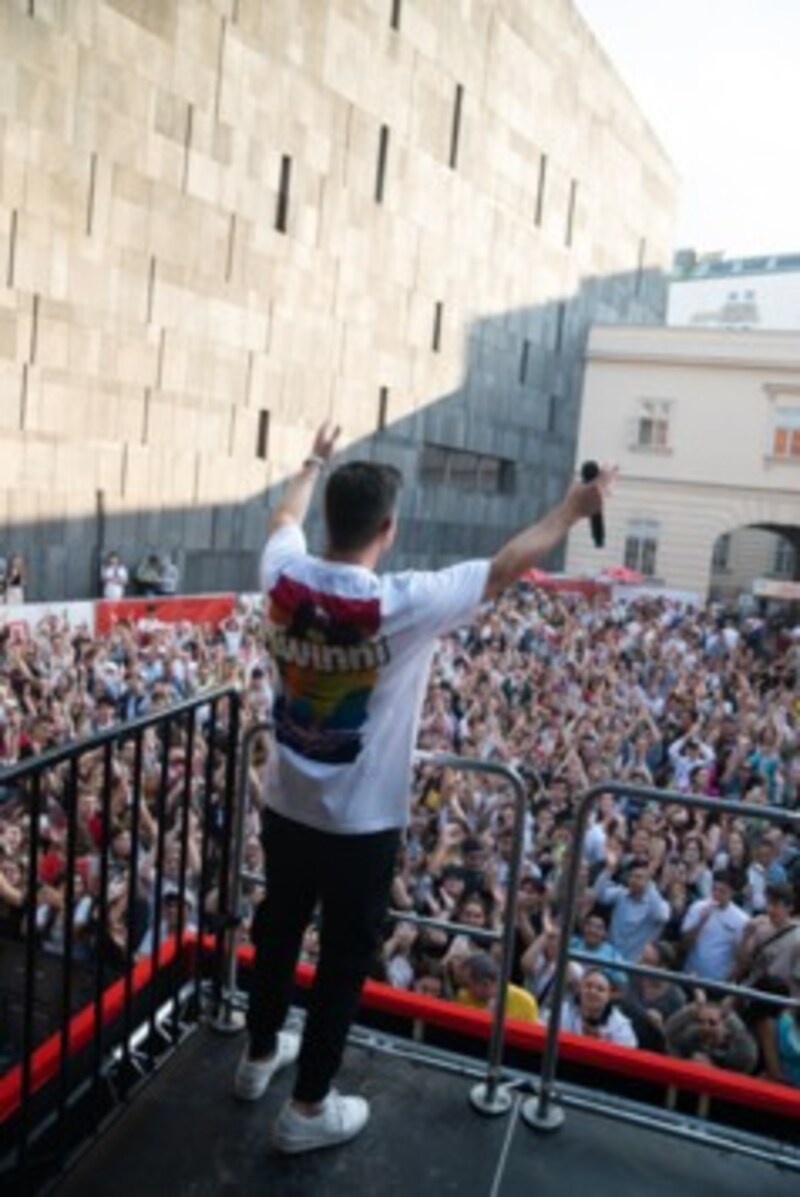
column 571, row 692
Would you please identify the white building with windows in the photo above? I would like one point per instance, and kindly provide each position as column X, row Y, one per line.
column 705, row 427
column 756, row 292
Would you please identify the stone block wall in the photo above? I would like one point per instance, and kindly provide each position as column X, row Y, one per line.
column 223, row 220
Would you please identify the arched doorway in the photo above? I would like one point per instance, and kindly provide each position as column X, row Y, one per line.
column 755, row 560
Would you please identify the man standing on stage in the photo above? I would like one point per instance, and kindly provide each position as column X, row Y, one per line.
column 352, row 651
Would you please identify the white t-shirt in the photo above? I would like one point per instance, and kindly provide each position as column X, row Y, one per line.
column 352, row 650
column 714, row 951
column 115, row 579
column 615, row 1028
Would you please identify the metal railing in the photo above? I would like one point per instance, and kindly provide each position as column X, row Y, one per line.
column 138, row 973
column 489, row 1096
column 543, row 1112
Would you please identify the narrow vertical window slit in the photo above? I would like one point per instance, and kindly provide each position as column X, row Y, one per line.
column 383, row 155
column 455, row 132
column 284, row 185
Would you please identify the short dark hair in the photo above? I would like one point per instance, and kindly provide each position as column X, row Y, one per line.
column 480, row 966
column 359, row 499
column 780, row 891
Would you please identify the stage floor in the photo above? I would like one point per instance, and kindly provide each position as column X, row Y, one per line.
column 186, row 1136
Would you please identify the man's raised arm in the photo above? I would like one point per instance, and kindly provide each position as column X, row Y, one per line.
column 299, row 489
column 531, row 546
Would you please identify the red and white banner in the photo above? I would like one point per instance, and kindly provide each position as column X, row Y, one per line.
column 198, row 609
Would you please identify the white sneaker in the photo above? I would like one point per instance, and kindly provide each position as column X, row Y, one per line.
column 253, row 1076
column 340, row 1119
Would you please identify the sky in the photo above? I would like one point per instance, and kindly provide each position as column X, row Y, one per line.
column 719, row 81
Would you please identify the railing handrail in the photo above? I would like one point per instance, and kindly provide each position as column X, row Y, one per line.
column 505, row 935
column 604, row 965
column 113, row 954
column 108, row 735
column 540, row 1116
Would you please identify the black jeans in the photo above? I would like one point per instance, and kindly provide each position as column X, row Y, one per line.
column 350, row 875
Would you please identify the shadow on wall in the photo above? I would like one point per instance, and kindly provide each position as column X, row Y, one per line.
column 478, row 463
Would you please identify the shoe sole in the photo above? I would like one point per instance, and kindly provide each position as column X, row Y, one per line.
column 250, row 1097
column 288, row 1148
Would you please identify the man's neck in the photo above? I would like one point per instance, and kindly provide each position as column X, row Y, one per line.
column 367, row 558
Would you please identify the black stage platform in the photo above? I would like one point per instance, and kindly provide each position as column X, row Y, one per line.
column 186, row 1136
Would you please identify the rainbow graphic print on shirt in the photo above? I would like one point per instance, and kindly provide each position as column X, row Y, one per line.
column 328, row 651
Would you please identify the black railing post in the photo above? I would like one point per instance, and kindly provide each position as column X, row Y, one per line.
column 68, row 915
column 28, row 1044
column 157, row 894
column 131, row 922
column 184, row 825
column 226, row 933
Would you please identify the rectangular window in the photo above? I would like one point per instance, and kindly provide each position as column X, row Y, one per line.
column 282, row 210
column 383, row 408
column 262, row 437
column 786, row 432
column 508, row 477
column 652, row 424
column 640, row 265
column 573, row 198
column 784, row 558
column 523, row 362
column 552, row 414
column 539, row 214
column 721, row 556
column 641, row 547
column 394, row 20
column 466, row 471
column 561, row 315
column 489, row 469
column 383, row 154
column 437, row 327
column 455, row 132
column 433, row 464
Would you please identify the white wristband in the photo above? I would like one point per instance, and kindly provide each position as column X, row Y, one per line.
column 314, row 459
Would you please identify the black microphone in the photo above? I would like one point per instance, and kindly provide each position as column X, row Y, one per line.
column 589, row 471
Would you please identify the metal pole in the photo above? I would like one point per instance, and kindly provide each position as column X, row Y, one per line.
column 544, row 1115
column 225, row 938
column 489, row 1097
column 229, row 1020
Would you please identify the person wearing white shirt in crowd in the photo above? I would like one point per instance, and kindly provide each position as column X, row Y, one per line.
column 687, row 754
column 169, row 577
column 591, row 1012
column 711, row 931
column 114, row 577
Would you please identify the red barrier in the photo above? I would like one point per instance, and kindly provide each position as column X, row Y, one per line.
column 636, row 1063
column 198, row 609
column 767, row 1096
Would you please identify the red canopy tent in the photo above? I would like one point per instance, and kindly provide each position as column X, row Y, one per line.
column 623, row 575
column 564, row 584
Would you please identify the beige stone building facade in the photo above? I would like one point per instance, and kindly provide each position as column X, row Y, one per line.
column 223, row 220
column 705, row 426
